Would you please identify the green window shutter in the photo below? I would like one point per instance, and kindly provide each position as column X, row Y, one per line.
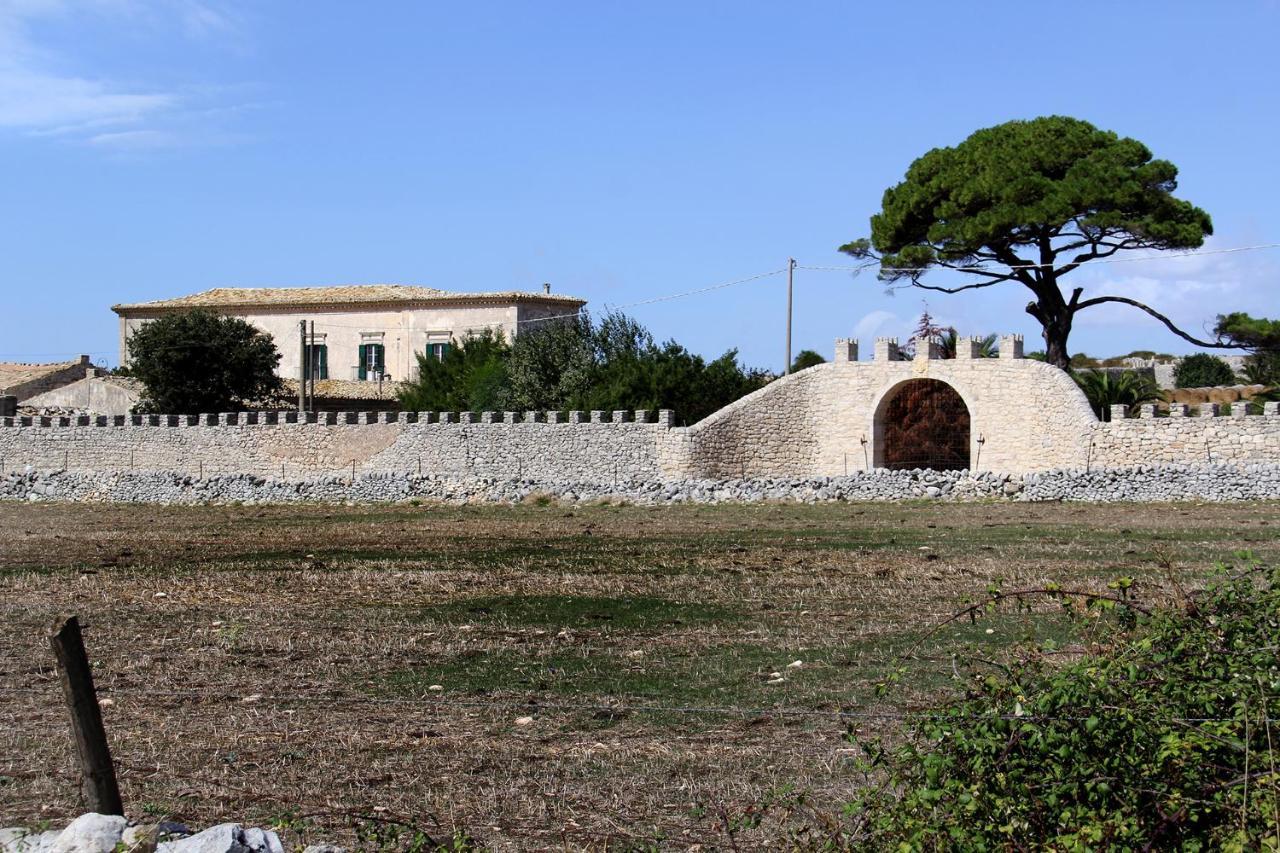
column 364, row 355
column 378, row 354
column 322, row 362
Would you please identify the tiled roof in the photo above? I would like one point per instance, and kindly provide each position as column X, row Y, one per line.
column 235, row 297
column 347, row 389
column 13, row 374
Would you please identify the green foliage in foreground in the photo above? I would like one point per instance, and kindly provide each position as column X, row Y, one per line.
column 1105, row 389
column 1164, row 739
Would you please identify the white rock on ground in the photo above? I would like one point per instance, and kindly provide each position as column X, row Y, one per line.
column 225, row 838
column 96, row 833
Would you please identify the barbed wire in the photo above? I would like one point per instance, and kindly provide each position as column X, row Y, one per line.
column 430, row 703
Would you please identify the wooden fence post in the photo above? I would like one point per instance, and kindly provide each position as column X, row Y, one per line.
column 97, row 773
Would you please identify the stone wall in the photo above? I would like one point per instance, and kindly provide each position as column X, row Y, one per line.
column 826, row 421
column 1207, row 438
column 1258, row 481
column 594, row 446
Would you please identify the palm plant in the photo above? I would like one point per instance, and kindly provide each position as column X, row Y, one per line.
column 949, row 341
column 1106, row 388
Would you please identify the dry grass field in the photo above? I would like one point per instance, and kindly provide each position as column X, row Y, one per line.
column 538, row 677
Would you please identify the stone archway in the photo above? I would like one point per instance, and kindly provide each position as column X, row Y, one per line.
column 922, row 423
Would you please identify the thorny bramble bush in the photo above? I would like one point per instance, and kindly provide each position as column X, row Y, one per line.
column 1164, row 739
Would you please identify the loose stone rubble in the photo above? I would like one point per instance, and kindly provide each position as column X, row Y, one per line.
column 98, row 833
column 1226, row 482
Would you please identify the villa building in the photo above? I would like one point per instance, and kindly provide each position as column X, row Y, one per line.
column 368, row 332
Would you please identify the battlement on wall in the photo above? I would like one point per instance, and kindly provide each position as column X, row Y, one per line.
column 665, row 418
column 889, row 349
column 1181, row 411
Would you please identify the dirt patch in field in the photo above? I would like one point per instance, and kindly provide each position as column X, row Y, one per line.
column 533, row 676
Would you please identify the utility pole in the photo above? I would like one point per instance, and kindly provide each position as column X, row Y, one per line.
column 311, row 372
column 791, row 271
column 302, row 366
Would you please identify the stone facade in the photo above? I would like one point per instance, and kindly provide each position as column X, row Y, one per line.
column 95, row 393
column 827, row 421
column 404, row 320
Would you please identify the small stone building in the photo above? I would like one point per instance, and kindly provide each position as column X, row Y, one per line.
column 24, row 381
column 365, row 332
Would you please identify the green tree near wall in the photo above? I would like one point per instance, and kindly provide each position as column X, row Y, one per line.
column 471, row 376
column 1261, row 337
column 551, row 364
column 806, row 358
column 1027, row 203
column 1202, row 370
column 580, row 364
column 199, row 361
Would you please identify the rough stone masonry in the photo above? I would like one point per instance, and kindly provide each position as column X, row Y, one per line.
column 826, row 421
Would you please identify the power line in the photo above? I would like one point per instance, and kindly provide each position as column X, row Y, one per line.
column 763, row 275
column 669, row 297
column 1091, row 263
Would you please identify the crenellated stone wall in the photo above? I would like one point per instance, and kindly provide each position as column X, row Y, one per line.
column 1205, row 436
column 595, row 446
column 826, row 421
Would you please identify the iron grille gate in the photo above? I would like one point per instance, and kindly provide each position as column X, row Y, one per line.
column 926, row 425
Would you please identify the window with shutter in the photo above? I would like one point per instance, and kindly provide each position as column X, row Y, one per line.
column 317, row 361
column 372, row 361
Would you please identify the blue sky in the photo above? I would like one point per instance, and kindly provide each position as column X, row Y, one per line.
column 619, row 151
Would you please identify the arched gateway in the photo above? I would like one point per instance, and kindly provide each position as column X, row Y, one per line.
column 984, row 414
column 922, row 423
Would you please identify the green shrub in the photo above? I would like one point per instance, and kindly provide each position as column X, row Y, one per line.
column 1163, row 739
column 1105, row 388
column 200, row 361
column 1202, row 370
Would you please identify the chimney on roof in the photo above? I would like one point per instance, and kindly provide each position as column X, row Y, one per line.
column 546, row 287
column 84, row 359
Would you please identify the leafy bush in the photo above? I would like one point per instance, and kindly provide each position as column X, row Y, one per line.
column 198, row 361
column 1161, row 739
column 1106, row 388
column 471, row 376
column 1263, row 368
column 1202, row 370
column 611, row 364
column 806, row 358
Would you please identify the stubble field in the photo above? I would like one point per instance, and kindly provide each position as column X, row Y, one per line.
column 536, row 677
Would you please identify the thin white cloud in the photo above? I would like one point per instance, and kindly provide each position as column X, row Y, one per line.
column 43, row 94
column 202, row 20
column 134, row 139
column 876, row 324
column 1191, row 291
column 40, row 101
